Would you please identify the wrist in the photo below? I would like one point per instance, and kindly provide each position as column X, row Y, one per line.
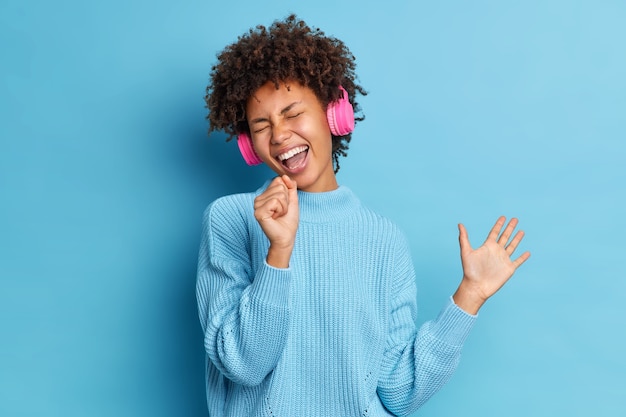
column 468, row 298
column 279, row 256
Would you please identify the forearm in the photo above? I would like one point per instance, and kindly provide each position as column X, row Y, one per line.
column 416, row 370
column 245, row 334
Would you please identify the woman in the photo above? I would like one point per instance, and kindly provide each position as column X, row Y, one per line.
column 306, row 297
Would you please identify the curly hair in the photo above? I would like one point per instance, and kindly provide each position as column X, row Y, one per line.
column 288, row 50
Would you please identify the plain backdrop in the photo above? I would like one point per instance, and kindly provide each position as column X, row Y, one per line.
column 475, row 109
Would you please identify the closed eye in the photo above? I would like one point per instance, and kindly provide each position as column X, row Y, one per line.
column 293, row 116
column 261, row 129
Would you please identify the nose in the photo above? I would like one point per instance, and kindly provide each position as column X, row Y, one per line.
column 280, row 133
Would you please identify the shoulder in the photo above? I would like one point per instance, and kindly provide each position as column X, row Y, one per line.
column 391, row 247
column 233, row 204
column 377, row 230
column 226, row 225
column 230, row 214
column 236, row 208
column 381, row 223
column 229, row 204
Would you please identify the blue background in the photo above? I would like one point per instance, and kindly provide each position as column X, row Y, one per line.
column 476, row 109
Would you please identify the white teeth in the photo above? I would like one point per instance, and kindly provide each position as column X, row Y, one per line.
column 292, row 152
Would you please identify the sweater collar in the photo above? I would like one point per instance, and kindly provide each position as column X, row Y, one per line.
column 327, row 206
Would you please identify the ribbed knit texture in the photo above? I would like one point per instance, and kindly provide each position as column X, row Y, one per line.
column 335, row 334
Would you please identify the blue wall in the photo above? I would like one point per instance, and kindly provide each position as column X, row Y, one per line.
column 476, row 109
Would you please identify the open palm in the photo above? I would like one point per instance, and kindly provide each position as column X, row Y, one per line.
column 487, row 268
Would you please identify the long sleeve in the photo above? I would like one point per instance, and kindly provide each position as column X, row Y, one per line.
column 244, row 313
column 333, row 335
column 417, row 363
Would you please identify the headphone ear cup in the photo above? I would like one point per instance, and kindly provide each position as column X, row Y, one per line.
column 340, row 115
column 247, row 150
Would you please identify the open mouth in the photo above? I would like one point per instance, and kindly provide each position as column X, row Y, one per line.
column 294, row 158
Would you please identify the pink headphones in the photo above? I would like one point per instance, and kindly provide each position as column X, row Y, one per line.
column 340, row 116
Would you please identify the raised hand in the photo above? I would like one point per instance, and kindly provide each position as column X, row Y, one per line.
column 488, row 268
column 276, row 210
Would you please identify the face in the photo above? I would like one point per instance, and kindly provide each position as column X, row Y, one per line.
column 290, row 133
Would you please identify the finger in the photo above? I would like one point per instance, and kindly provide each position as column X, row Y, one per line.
column 274, row 201
column 464, row 240
column 292, row 190
column 276, row 193
column 277, row 184
column 278, row 180
column 495, row 230
column 289, row 183
column 522, row 258
column 271, row 209
column 510, row 248
column 504, row 237
column 276, row 187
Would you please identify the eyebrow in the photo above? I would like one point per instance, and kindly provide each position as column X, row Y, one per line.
column 282, row 112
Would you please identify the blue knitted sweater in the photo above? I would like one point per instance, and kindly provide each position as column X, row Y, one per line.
column 332, row 335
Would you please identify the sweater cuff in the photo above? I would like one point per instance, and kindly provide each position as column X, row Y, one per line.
column 453, row 325
column 271, row 285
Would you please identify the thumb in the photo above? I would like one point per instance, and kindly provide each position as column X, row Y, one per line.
column 292, row 189
column 464, row 240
